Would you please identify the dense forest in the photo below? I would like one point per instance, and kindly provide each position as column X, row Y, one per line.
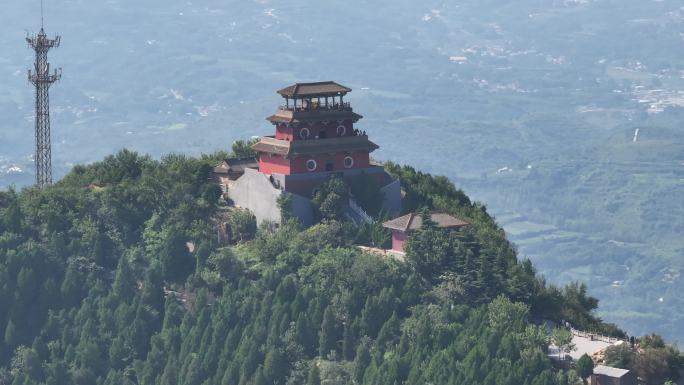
column 115, row 276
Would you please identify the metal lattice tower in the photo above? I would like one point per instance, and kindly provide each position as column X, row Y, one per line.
column 42, row 79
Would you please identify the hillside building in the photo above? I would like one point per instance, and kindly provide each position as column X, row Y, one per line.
column 233, row 168
column 315, row 137
column 606, row 375
column 402, row 226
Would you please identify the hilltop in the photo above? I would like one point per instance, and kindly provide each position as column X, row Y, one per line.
column 115, row 275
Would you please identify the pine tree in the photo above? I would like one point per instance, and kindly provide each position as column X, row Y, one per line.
column 314, row 377
column 152, row 294
column 171, row 372
column 58, row 244
column 124, row 281
column 194, row 375
column 388, row 333
column 11, row 335
column 119, row 353
column 348, row 341
column 585, row 367
column 485, row 278
column 83, row 376
column 304, row 334
column 100, row 250
column 275, row 366
column 27, row 285
column 114, row 378
column 327, row 341
column 13, row 217
column 362, row 361
column 177, row 263
column 32, row 365
column 251, row 361
column 232, row 374
column 72, row 287
column 260, row 378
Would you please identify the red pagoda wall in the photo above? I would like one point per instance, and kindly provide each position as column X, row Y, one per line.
column 274, row 164
column 283, row 132
column 280, row 165
column 398, row 240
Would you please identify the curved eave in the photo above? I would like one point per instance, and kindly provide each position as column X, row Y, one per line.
column 314, row 89
column 279, row 119
column 271, row 145
column 313, row 117
column 271, row 148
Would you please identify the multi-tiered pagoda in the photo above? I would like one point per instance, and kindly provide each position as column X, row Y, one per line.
column 314, row 138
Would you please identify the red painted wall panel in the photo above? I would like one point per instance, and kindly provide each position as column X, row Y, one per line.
column 398, row 240
column 269, row 164
column 361, row 160
column 318, row 129
column 283, row 132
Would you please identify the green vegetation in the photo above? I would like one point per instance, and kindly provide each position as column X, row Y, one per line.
column 619, row 356
column 585, row 367
column 652, row 360
column 243, row 225
column 243, row 148
column 562, row 338
column 114, row 276
column 330, row 198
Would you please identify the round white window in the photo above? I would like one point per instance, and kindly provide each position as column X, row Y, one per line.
column 311, row 165
column 304, row 133
column 341, row 130
column 348, row 162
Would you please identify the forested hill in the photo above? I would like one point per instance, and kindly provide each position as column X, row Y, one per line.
column 115, row 276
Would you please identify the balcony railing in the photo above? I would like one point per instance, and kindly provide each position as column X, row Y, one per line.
column 346, row 106
column 355, row 132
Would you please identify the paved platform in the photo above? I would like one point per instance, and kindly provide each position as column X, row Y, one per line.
column 385, row 253
column 583, row 345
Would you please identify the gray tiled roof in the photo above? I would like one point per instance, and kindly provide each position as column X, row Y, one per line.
column 236, row 165
column 314, row 89
column 610, row 371
column 413, row 221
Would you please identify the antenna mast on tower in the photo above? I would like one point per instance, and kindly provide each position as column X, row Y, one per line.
column 41, row 78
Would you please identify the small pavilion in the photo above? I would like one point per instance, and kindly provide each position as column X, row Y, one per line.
column 402, row 226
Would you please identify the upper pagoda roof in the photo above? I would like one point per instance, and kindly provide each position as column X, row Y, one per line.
column 302, row 90
column 414, row 221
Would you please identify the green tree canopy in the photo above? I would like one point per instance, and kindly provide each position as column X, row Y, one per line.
column 584, row 367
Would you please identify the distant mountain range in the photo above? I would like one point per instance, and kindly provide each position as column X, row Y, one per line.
column 529, row 106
